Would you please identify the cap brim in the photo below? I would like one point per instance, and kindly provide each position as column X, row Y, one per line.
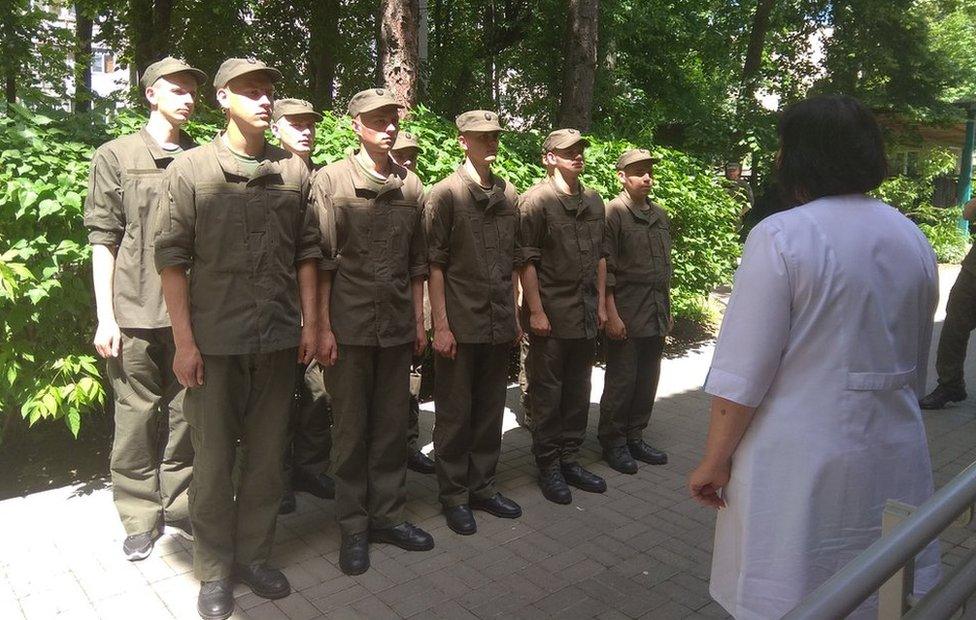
column 273, row 74
column 370, row 108
column 649, row 158
column 318, row 117
column 565, row 144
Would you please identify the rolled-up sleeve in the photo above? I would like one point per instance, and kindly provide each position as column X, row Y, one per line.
column 756, row 327
column 176, row 218
column 439, row 220
column 531, row 229
column 104, row 215
column 418, row 243
column 320, row 201
column 307, row 245
column 610, row 249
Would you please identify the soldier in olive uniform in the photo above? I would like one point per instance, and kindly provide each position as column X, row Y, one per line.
column 405, row 151
column 960, row 321
column 235, row 218
column 637, row 247
column 471, row 243
column 152, row 455
column 561, row 234
column 371, row 324
column 307, row 452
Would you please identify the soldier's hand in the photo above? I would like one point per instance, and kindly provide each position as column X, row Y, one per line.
column 616, row 329
column 307, row 345
column 108, row 339
column 601, row 316
column 420, row 344
column 539, row 324
column 327, row 351
column 444, row 344
column 188, row 367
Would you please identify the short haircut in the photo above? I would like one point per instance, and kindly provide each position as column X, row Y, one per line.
column 829, row 146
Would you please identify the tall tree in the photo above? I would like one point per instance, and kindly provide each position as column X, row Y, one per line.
column 82, row 58
column 148, row 29
column 323, row 51
column 579, row 64
column 398, row 47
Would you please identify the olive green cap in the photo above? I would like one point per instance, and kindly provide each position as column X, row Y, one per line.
column 169, row 66
column 478, row 120
column 289, row 107
column 236, row 67
column 371, row 99
column 635, row 155
column 405, row 140
column 563, row 139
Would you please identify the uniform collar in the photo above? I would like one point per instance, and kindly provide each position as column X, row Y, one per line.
column 158, row 153
column 393, row 182
column 650, row 215
column 229, row 163
column 491, row 196
column 575, row 203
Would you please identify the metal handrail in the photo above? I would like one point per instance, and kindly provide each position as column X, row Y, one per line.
column 862, row 576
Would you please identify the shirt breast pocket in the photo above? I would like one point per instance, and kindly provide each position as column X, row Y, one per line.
column 285, row 205
column 403, row 224
column 221, row 232
column 140, row 196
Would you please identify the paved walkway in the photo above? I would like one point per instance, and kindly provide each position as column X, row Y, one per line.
column 641, row 550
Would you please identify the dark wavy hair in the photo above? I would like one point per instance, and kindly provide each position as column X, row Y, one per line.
column 829, row 145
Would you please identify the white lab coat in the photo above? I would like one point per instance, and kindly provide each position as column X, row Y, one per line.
column 827, row 334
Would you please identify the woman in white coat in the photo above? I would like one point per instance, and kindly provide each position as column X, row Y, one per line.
column 817, row 372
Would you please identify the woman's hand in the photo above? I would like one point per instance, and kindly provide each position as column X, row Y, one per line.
column 706, row 482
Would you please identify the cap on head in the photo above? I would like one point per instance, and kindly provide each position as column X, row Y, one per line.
column 287, row 107
column 478, row 120
column 236, row 67
column 563, row 139
column 733, row 165
column 405, row 140
column 169, row 66
column 634, row 156
column 371, row 99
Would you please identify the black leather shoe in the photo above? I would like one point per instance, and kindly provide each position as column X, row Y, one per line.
column 554, row 487
column 460, row 520
column 641, row 451
column 321, row 486
column 288, row 504
column 420, row 462
column 620, row 459
column 406, row 536
column 354, row 554
column 216, row 599
column 263, row 580
column 942, row 396
column 498, row 505
column 582, row 479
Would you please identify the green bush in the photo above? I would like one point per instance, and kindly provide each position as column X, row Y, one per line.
column 47, row 367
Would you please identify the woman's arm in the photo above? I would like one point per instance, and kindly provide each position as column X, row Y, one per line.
column 729, row 422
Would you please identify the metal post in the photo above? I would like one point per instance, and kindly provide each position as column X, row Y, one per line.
column 966, row 168
column 894, row 593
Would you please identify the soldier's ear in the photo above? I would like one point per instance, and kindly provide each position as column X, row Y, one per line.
column 622, row 176
column 275, row 131
column 463, row 142
column 223, row 98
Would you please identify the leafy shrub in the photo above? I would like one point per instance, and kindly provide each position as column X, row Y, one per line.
column 47, row 367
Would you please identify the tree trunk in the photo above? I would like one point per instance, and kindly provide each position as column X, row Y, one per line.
column 161, row 18
column 579, row 64
column 757, row 40
column 10, row 86
column 140, row 30
column 83, row 60
column 397, row 44
column 324, row 36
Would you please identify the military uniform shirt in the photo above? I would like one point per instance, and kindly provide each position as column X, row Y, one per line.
column 124, row 188
column 241, row 238
column 471, row 233
column 637, row 246
column 562, row 235
column 373, row 243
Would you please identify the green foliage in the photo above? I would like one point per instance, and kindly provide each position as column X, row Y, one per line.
column 45, row 322
column 912, row 195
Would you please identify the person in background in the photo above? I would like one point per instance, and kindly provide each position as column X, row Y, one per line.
column 739, row 188
column 152, row 456
column 310, row 433
column 960, row 321
column 816, row 375
column 405, row 151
